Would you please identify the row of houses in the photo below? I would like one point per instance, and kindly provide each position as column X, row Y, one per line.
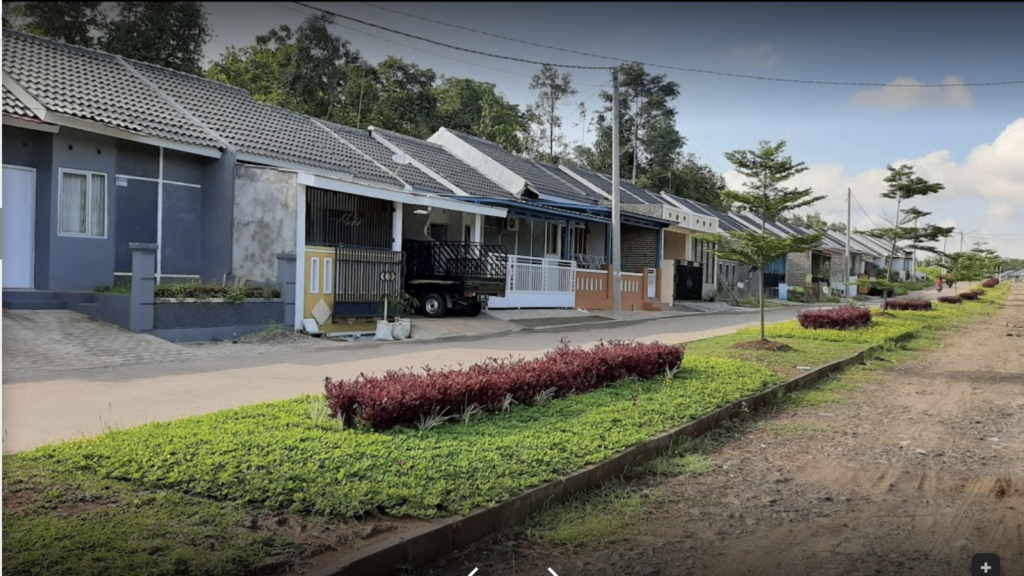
column 101, row 152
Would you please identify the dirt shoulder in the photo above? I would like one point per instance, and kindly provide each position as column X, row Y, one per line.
column 912, row 470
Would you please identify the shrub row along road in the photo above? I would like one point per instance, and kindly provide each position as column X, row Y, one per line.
column 899, row 468
column 80, row 401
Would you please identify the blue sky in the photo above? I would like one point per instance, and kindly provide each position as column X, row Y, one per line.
column 971, row 139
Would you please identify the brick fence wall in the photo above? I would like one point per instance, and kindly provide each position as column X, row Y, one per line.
column 798, row 266
column 639, row 248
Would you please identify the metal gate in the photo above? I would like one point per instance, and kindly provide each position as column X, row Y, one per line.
column 363, row 276
column 688, row 281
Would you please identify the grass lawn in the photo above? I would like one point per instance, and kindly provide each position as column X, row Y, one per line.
column 180, row 497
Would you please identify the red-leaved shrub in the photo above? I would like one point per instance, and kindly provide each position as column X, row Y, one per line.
column 978, row 290
column 990, row 283
column 913, row 304
column 844, row 318
column 403, row 396
column 969, row 295
column 950, row 299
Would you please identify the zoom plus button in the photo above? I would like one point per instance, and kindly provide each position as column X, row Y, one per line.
column 985, row 565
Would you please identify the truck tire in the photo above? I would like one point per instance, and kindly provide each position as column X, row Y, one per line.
column 435, row 305
column 474, row 309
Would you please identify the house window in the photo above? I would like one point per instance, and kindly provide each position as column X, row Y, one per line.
column 314, row 275
column 554, row 234
column 579, row 241
column 83, row 204
column 328, row 275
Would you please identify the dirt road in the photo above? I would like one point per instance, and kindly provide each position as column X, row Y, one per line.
column 916, row 469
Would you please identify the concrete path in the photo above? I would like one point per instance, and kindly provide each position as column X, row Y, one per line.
column 42, row 408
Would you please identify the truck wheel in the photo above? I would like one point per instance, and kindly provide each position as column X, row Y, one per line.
column 435, row 306
column 474, row 309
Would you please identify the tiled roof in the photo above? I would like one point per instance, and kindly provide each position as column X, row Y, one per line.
column 261, row 129
column 446, row 165
column 365, row 143
column 15, row 107
column 589, row 195
column 94, row 86
column 541, row 180
column 642, row 195
column 604, row 183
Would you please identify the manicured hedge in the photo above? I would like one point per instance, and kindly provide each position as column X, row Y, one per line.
column 844, row 318
column 404, row 396
column 913, row 304
column 950, row 299
column 969, row 295
column 880, row 330
column 990, row 283
column 979, row 290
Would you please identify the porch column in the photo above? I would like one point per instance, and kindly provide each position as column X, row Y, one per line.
column 567, row 243
column 478, row 228
column 140, row 316
column 608, row 244
column 659, row 256
column 396, row 226
column 286, row 279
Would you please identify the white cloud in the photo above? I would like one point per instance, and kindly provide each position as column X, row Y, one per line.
column 1000, row 211
column 984, row 195
column 905, row 92
column 760, row 56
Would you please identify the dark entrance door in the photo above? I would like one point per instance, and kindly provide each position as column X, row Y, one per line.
column 688, row 281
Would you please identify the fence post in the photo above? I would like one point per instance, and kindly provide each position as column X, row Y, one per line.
column 140, row 315
column 643, row 283
column 286, row 264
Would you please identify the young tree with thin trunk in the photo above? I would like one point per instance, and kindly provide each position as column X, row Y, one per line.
column 552, row 89
column 903, row 231
column 766, row 170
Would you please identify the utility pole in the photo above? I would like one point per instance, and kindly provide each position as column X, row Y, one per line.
column 849, row 263
column 616, row 224
column 961, row 240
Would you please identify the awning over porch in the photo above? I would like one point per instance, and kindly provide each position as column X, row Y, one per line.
column 625, row 217
column 537, row 211
column 411, row 198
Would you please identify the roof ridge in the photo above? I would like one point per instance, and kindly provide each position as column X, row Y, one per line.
column 322, row 124
column 174, row 103
column 559, row 178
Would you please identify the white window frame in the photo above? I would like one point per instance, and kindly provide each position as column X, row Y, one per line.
column 314, row 275
column 559, row 238
column 328, row 275
column 89, row 194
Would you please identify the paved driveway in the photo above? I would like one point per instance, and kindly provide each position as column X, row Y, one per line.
column 59, row 340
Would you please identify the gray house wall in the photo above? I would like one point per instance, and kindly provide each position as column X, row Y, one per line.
column 82, row 263
column 217, row 208
column 265, row 212
column 33, row 149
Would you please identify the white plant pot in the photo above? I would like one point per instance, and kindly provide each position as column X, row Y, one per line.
column 385, row 330
column 402, row 329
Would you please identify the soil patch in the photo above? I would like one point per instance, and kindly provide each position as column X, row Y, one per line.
column 762, row 345
column 914, row 470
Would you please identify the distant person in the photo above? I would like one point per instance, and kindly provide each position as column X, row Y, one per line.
column 938, row 284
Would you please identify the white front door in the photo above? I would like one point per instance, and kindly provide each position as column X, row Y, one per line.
column 19, row 216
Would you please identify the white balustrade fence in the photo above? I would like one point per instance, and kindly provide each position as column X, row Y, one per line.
column 538, row 283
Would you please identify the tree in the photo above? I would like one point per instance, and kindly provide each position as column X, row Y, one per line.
column 648, row 136
column 813, row 221
column 766, row 170
column 169, row 34
column 479, row 109
column 837, row 227
column 689, row 178
column 309, row 70
column 75, row 23
column 406, row 101
column 903, row 186
column 552, row 88
column 974, row 265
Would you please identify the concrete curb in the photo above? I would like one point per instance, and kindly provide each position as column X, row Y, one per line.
column 423, row 545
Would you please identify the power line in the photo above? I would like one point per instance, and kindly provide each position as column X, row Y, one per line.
column 861, row 206
column 427, row 51
column 665, row 66
column 451, row 46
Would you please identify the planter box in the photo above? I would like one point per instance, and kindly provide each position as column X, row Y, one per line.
column 192, row 320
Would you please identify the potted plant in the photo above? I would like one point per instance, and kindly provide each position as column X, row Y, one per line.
column 405, row 303
column 385, row 329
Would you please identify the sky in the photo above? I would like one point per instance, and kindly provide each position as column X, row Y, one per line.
column 971, row 139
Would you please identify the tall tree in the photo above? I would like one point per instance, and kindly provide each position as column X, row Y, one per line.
column 648, row 135
column 766, row 169
column 479, row 109
column 406, row 101
column 308, row 70
column 904, row 186
column 169, row 34
column 552, row 89
column 76, row 23
column 689, row 178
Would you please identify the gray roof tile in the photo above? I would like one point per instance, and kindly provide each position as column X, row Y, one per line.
column 540, row 180
column 15, row 107
column 94, row 86
column 261, row 129
column 447, row 165
column 365, row 143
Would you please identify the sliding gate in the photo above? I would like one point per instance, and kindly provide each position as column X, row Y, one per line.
column 363, row 276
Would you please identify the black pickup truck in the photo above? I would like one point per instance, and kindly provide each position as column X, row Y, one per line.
column 453, row 276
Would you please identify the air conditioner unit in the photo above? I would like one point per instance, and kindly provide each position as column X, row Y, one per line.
column 512, row 224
